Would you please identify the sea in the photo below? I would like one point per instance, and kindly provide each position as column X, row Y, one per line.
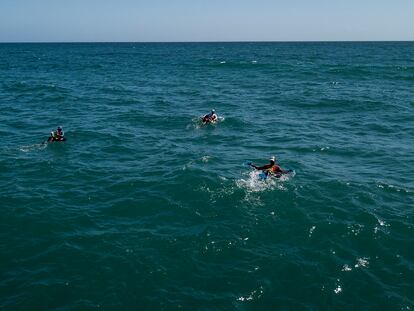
column 144, row 207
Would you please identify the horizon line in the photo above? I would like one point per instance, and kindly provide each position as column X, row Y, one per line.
column 207, row 41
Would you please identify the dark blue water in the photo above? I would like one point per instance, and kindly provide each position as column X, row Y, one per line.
column 144, row 208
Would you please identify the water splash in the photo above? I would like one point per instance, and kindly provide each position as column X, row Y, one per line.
column 253, row 182
column 34, row 147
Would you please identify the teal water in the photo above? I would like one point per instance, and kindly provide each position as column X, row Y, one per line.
column 144, row 209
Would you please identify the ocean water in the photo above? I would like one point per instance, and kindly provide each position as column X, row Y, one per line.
column 143, row 208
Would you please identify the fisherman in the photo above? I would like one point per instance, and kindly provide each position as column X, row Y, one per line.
column 271, row 169
column 211, row 117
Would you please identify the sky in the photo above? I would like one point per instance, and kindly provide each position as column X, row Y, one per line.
column 205, row 20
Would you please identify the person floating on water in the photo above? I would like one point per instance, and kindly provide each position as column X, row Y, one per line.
column 271, row 169
column 211, row 117
column 57, row 135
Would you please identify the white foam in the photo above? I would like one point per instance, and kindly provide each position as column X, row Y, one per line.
column 311, row 230
column 205, row 158
column 253, row 183
column 34, row 147
column 256, row 294
column 362, row 262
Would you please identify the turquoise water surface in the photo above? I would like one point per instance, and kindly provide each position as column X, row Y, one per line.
column 143, row 208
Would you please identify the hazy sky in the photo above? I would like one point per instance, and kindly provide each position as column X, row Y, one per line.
column 205, row 20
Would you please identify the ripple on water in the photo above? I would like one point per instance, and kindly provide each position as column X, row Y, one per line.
column 142, row 198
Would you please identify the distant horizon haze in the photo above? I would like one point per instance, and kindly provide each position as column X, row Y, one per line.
column 212, row 21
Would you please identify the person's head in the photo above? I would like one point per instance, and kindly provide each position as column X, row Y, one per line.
column 213, row 111
column 272, row 160
column 59, row 129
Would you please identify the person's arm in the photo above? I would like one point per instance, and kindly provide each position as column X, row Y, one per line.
column 264, row 167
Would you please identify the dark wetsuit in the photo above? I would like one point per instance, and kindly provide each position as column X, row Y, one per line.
column 211, row 117
column 271, row 168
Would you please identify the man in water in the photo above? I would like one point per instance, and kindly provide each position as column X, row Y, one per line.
column 271, row 169
column 57, row 135
column 211, row 117
column 60, row 133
